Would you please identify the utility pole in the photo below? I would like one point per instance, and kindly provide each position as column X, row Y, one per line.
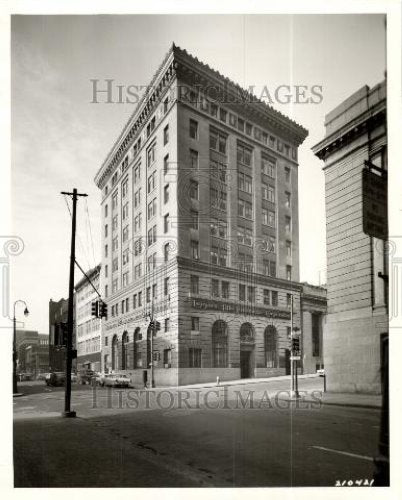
column 292, row 381
column 67, row 396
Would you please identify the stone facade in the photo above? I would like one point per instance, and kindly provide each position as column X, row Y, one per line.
column 200, row 232
column 357, row 263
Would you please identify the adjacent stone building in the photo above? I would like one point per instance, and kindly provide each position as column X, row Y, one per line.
column 200, row 231
column 355, row 148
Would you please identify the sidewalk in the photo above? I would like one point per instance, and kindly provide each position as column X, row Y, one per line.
column 350, row 399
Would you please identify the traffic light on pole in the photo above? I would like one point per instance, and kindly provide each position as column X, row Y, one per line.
column 296, row 343
column 102, row 310
column 95, row 309
column 157, row 326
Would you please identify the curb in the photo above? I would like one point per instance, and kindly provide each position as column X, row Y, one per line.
column 335, row 403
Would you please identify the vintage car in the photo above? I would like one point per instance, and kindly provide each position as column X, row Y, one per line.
column 55, row 378
column 114, row 380
column 85, row 376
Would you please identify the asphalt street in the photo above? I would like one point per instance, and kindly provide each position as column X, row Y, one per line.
column 248, row 435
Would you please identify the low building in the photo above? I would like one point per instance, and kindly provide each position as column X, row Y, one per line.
column 58, row 315
column 37, row 356
column 88, row 328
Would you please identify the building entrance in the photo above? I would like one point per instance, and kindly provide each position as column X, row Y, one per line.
column 245, row 364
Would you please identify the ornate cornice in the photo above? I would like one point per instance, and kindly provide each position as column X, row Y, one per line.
column 180, row 60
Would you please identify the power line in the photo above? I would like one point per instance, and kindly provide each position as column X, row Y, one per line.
column 80, row 244
column 90, row 231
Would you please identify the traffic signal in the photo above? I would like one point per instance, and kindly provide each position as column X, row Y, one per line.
column 95, row 309
column 157, row 326
column 103, row 310
column 296, row 344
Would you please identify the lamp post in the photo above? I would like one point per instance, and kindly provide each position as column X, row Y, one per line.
column 26, row 312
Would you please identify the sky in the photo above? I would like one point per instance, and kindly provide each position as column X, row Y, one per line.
column 60, row 138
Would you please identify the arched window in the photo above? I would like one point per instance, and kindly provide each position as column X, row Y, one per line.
column 115, row 359
column 124, row 351
column 137, row 348
column 219, row 344
column 271, row 351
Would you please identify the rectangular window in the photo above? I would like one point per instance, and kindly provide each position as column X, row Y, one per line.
column 148, row 294
column 245, row 183
column 194, row 355
column 106, row 251
column 125, row 211
column 269, row 268
column 215, row 288
column 242, row 293
column 225, row 289
column 115, row 200
column 268, row 166
column 151, row 155
column 135, row 301
column 166, row 286
column 274, row 296
column 166, row 223
column 125, row 279
column 137, row 173
column 222, row 115
column 289, row 272
column 166, row 164
column 151, row 182
column 166, row 252
column 167, row 324
column 106, row 230
column 138, row 271
column 266, row 297
column 214, row 110
column 154, row 291
column 126, row 256
column 195, row 250
column 287, row 199
column 193, row 129
column 106, row 271
column 288, row 224
column 249, row 128
column 151, row 209
column 115, row 223
column 106, row 210
column 194, row 158
column 124, row 188
column 287, row 174
column 166, row 135
column 166, row 193
column 167, row 358
column 195, row 324
column 288, row 300
column 125, row 234
column 289, row 248
column 137, row 223
column 137, row 198
column 139, row 299
column 152, row 235
column 165, row 105
column 218, row 199
column 195, row 285
column 244, row 155
column 245, row 209
column 193, row 190
column 217, row 141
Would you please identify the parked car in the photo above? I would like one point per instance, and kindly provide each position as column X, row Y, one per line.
column 25, row 376
column 85, row 376
column 321, row 372
column 55, row 378
column 115, row 380
column 97, row 378
column 41, row 376
column 74, row 378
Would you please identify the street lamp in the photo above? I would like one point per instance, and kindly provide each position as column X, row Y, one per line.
column 26, row 313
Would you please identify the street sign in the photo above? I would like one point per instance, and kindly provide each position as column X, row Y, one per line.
column 294, row 358
column 375, row 198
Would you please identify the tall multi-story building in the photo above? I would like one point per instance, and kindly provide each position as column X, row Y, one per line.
column 200, row 231
column 354, row 152
column 37, row 356
column 88, row 328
